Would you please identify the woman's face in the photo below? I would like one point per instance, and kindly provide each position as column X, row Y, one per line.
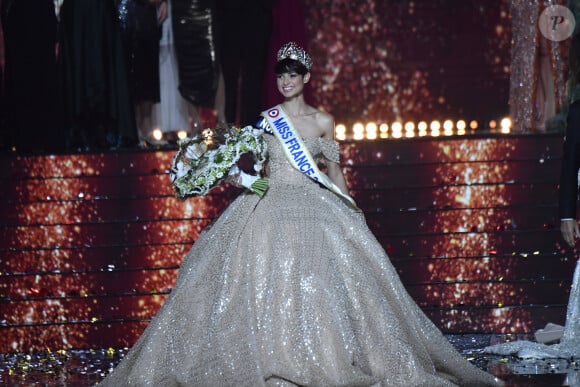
column 291, row 84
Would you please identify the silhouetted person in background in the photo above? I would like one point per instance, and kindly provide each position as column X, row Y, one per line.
column 171, row 113
column 97, row 105
column 195, row 38
column 31, row 88
column 3, row 131
column 140, row 22
column 245, row 35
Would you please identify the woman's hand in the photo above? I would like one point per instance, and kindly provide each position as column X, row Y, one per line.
column 235, row 176
column 161, row 12
column 570, row 231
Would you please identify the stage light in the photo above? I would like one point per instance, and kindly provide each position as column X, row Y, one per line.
column 384, row 130
column 157, row 134
column 422, row 126
column 397, row 129
column 409, row 129
column 461, row 125
column 181, row 134
column 371, row 131
column 448, row 128
column 435, row 126
column 505, row 125
column 358, row 131
column 340, row 132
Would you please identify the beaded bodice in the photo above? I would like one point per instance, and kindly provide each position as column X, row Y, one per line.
column 280, row 169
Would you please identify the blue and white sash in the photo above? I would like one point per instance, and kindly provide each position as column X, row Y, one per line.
column 279, row 124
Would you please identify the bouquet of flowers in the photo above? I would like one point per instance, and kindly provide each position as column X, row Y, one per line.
column 204, row 161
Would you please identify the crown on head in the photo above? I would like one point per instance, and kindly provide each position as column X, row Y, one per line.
column 293, row 51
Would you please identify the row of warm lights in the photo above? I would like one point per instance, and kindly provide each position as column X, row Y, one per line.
column 372, row 130
column 157, row 134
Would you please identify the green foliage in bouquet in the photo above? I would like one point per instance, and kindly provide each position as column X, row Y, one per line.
column 204, row 161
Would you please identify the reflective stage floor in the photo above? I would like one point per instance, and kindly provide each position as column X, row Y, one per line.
column 87, row 367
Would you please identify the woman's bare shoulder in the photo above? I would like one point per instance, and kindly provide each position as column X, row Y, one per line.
column 323, row 116
column 325, row 122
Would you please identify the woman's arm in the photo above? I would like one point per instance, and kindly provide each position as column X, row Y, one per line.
column 333, row 169
column 335, row 174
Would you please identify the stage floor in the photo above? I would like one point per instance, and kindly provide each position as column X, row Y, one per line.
column 88, row 366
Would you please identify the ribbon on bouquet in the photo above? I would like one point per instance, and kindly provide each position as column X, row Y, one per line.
column 276, row 121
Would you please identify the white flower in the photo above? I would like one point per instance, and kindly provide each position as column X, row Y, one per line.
column 194, row 151
column 180, row 170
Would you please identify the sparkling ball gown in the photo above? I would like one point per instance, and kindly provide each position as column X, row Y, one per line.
column 292, row 290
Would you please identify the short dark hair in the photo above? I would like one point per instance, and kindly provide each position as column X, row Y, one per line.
column 288, row 65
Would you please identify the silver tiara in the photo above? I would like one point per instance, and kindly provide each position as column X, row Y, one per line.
column 293, row 51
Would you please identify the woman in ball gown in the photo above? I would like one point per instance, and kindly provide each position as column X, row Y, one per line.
column 293, row 288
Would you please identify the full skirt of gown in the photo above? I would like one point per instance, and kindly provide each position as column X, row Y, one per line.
column 291, row 289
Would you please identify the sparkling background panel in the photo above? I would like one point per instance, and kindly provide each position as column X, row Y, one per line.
column 91, row 244
column 387, row 60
